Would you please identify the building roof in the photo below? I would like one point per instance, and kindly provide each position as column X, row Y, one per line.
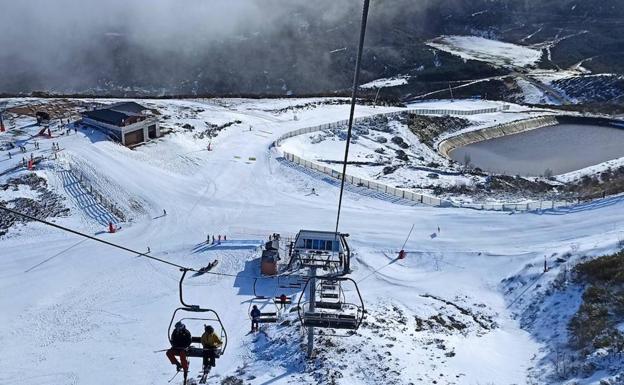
column 317, row 234
column 127, row 107
column 116, row 113
column 107, row 116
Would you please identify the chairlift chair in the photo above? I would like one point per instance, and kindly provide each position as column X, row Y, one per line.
column 265, row 317
column 200, row 316
column 331, row 295
column 335, row 315
column 211, row 318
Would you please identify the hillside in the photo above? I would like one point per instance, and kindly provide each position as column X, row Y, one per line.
column 285, row 48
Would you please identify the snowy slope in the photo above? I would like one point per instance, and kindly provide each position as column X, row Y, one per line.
column 487, row 50
column 94, row 315
column 387, row 82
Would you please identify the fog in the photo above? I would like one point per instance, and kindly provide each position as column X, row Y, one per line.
column 73, row 44
column 199, row 46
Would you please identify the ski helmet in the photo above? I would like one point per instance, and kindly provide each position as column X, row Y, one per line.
column 209, row 329
column 180, row 325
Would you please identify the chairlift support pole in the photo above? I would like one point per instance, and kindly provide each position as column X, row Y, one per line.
column 184, row 271
column 312, row 308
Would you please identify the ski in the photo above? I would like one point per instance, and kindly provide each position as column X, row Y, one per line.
column 174, row 376
column 206, row 268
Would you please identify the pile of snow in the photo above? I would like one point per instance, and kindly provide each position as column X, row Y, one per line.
column 533, row 95
column 487, row 50
column 387, row 82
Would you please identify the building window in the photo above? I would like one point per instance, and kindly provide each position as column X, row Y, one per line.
column 328, row 245
column 307, row 243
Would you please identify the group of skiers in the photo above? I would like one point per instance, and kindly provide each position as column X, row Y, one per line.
column 22, row 148
column 215, row 240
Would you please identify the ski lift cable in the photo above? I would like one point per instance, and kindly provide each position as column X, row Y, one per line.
column 356, row 80
column 138, row 253
column 93, row 238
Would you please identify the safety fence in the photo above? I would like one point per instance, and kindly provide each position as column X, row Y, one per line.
column 527, row 206
column 354, row 180
column 429, row 200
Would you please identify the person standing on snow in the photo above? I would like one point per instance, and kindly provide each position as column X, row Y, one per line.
column 211, row 342
column 180, row 341
column 255, row 318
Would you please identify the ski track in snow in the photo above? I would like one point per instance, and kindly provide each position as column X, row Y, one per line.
column 94, row 315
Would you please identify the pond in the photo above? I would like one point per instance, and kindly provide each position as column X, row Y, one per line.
column 550, row 150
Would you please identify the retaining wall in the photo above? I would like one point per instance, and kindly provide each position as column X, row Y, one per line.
column 447, row 145
column 463, row 139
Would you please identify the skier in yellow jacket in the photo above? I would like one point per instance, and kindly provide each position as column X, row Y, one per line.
column 211, row 342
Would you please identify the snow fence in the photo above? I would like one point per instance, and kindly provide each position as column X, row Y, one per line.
column 354, row 180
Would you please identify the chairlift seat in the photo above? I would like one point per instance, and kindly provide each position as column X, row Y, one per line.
column 279, row 301
column 267, row 318
column 193, row 351
column 328, row 320
column 328, row 305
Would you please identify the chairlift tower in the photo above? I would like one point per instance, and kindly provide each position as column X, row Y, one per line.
column 333, row 318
